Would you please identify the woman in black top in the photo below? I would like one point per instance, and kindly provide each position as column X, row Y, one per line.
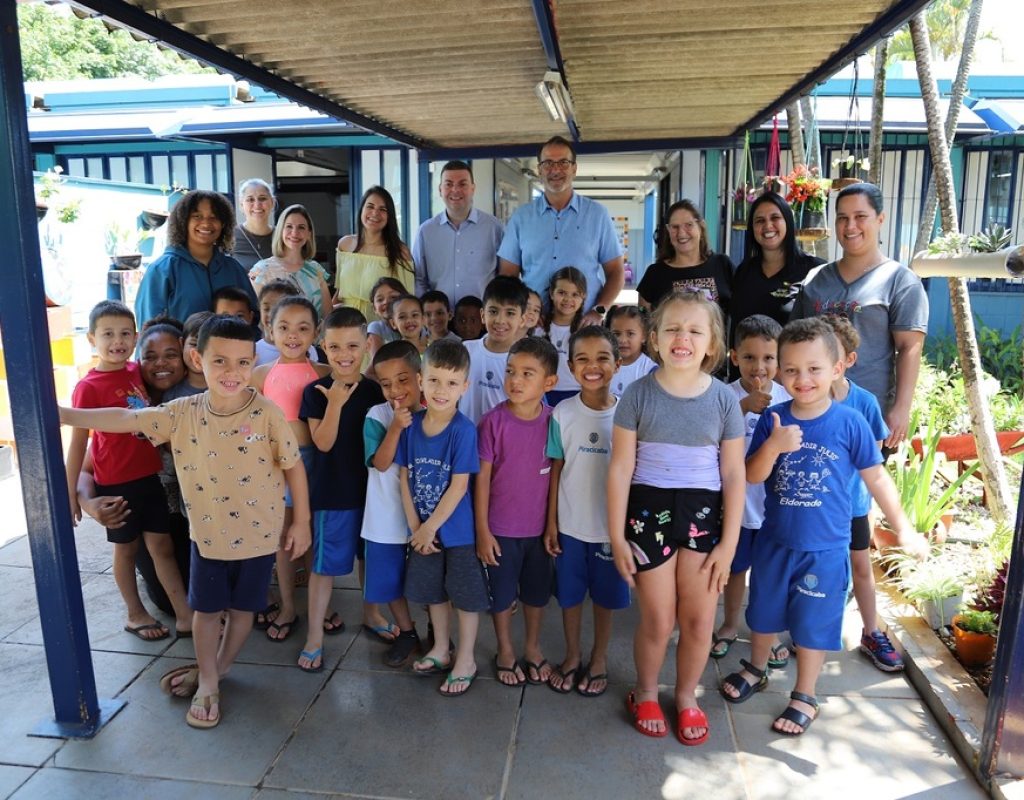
column 768, row 279
column 685, row 261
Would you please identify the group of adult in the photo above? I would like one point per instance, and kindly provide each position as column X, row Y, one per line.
column 461, row 248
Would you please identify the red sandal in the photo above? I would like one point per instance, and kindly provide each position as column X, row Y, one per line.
column 692, row 718
column 647, row 711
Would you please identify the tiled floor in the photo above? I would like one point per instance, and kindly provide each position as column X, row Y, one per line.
column 360, row 729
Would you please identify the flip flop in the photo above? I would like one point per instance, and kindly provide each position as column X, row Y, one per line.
column 774, row 661
column 282, row 626
column 728, row 641
column 590, row 678
column 312, row 656
column 437, row 666
column 153, row 626
column 796, row 716
column 500, row 670
column 382, row 632
column 333, row 625
column 536, row 668
column 261, row 624
column 692, row 718
column 450, row 681
column 182, row 634
column 203, row 702
column 647, row 711
column 569, row 681
column 189, row 684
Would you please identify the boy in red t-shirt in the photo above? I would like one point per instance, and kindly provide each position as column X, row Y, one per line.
column 126, row 466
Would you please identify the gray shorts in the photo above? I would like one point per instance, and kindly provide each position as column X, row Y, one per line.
column 454, row 574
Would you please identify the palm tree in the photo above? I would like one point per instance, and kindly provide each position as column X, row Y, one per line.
column 877, row 112
column 993, row 473
column 948, row 22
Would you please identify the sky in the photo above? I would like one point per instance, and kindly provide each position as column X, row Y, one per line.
column 1005, row 18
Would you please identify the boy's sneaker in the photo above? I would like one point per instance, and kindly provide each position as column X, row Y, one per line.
column 879, row 649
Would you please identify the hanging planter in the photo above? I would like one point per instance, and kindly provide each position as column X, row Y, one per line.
column 851, row 170
column 810, row 224
column 744, row 195
column 807, row 195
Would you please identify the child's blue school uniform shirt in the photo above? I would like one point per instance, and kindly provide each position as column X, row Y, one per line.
column 862, row 400
column 431, row 461
column 808, row 506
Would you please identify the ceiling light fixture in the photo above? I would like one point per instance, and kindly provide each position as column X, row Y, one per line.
column 554, row 96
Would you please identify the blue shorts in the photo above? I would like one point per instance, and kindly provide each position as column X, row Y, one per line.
column 799, row 591
column 306, row 454
column 215, row 585
column 744, row 551
column 385, row 572
column 524, row 571
column 588, row 567
column 336, row 540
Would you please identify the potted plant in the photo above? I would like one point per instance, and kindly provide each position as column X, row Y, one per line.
column 742, row 197
column 807, row 195
column 852, row 169
column 123, row 245
column 935, row 586
column 974, row 632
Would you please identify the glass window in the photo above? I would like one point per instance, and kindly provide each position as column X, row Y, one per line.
column 118, row 168
column 137, row 169
column 1000, row 172
column 204, row 171
column 94, row 167
column 161, row 171
column 393, row 183
column 76, row 167
column 220, row 167
column 179, row 171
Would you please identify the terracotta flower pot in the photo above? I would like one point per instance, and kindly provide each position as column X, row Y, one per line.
column 883, row 537
column 973, row 649
column 962, row 447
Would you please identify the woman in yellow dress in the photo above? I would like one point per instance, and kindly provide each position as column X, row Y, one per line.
column 374, row 252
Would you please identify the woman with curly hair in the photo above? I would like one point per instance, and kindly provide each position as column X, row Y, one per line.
column 195, row 264
column 374, row 252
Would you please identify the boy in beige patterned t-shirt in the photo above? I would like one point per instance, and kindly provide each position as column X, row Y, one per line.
column 233, row 454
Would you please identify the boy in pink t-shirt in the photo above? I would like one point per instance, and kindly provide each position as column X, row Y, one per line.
column 510, row 501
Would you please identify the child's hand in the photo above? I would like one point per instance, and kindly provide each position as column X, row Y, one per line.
column 424, row 540
column 110, row 512
column 76, row 509
column 551, row 543
column 339, row 392
column 624, row 562
column 758, row 400
column 402, row 418
column 716, row 567
column 910, row 541
column 296, row 539
column 487, row 548
column 785, row 438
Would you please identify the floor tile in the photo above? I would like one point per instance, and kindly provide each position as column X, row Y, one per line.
column 68, row 784
column 12, row 777
column 91, row 546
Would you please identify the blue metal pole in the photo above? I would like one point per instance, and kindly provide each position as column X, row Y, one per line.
column 1002, row 741
column 36, row 428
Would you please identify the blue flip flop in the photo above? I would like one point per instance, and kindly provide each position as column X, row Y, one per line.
column 318, row 653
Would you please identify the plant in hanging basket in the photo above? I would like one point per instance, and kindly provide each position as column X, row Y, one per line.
column 851, row 170
column 807, row 195
column 742, row 197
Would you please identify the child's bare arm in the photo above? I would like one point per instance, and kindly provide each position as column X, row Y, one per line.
column 108, row 511
column 76, row 455
column 420, row 543
column 884, row 491
column 295, row 540
column 108, row 420
column 487, row 548
column 620, row 473
column 457, row 488
column 782, row 439
column 324, row 432
column 259, row 375
column 551, row 526
column 385, row 455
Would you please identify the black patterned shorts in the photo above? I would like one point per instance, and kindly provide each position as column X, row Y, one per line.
column 660, row 521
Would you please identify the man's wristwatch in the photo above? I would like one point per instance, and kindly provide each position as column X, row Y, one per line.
column 599, row 310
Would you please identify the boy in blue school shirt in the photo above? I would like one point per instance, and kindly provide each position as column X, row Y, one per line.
column 873, row 642
column 436, row 455
column 806, row 451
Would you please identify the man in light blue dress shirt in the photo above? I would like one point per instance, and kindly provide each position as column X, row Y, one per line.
column 564, row 229
column 456, row 252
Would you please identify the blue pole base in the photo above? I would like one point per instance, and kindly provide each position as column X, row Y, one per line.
column 52, row 729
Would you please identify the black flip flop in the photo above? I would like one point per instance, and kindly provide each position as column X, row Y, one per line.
column 569, row 679
column 287, row 627
column 261, row 624
column 589, row 677
column 500, row 670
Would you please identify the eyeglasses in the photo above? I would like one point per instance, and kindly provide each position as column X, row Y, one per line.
column 562, row 163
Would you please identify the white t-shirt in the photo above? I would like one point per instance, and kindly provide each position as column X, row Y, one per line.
column 559, row 337
column 632, row 372
column 582, row 437
column 486, row 380
column 753, row 509
column 266, row 352
column 383, row 520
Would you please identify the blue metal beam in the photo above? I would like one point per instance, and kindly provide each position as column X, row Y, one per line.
column 582, row 148
column 886, row 23
column 26, row 343
column 134, row 18
column 549, row 41
column 1002, row 740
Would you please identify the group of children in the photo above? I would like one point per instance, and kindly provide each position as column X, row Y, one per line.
column 463, row 473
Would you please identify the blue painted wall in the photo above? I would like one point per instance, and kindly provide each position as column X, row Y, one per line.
column 1002, row 310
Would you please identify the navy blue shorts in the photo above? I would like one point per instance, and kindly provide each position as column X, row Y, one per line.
column 588, row 567
column 799, row 591
column 860, row 533
column 336, row 540
column 385, row 572
column 744, row 551
column 524, row 571
column 148, row 504
column 455, row 573
column 556, row 396
column 215, row 585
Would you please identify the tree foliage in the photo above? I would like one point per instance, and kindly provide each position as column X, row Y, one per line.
column 57, row 46
column 947, row 24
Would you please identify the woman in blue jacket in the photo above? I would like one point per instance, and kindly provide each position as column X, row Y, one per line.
column 195, row 264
